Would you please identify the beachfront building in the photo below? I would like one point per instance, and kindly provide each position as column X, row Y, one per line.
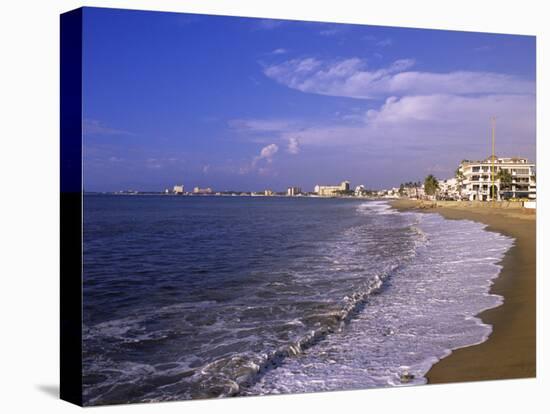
column 293, row 191
column 178, row 189
column 360, row 191
column 412, row 190
column 479, row 180
column 449, row 189
column 207, row 190
column 198, row 190
column 268, row 192
column 393, row 192
column 331, row 190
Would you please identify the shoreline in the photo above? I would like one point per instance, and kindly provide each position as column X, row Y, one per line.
column 510, row 350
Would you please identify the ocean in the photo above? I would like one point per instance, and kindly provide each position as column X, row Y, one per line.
column 199, row 297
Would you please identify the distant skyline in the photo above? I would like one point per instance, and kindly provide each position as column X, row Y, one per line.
column 247, row 104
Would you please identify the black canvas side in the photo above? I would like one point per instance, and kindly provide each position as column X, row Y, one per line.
column 71, row 207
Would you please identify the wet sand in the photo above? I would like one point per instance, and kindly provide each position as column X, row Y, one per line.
column 510, row 351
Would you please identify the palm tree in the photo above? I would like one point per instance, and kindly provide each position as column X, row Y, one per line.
column 431, row 185
column 505, row 179
column 401, row 189
column 459, row 175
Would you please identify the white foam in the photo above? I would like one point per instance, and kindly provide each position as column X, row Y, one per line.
column 427, row 311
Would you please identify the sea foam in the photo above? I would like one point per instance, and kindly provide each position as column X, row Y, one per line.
column 426, row 309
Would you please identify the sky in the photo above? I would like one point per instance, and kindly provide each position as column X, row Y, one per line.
column 248, row 104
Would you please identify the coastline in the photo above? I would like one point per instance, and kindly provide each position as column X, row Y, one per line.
column 510, row 351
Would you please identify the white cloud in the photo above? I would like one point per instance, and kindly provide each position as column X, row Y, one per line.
column 435, row 127
column 266, row 155
column 352, row 78
column 293, row 146
column 460, row 111
column 417, row 132
column 425, row 118
column 268, row 152
column 279, row 51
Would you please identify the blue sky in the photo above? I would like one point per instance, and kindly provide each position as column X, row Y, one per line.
column 247, row 104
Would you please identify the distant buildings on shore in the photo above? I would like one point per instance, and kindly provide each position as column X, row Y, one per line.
column 360, row 191
column 293, row 191
column 178, row 189
column 498, row 178
column 198, row 190
column 332, row 190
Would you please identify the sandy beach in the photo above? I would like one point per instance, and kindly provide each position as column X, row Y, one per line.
column 510, row 351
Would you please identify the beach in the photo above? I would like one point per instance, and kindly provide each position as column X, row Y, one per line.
column 510, row 351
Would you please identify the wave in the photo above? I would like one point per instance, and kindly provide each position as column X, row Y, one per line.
column 229, row 374
column 426, row 311
column 233, row 373
column 408, row 268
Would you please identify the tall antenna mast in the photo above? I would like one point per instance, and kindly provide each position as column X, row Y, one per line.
column 493, row 189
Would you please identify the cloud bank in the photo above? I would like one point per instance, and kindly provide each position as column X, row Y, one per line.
column 410, row 117
column 353, row 78
column 441, row 117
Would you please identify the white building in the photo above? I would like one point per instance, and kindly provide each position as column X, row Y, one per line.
column 198, row 190
column 331, row 190
column 414, row 191
column 178, row 189
column 449, row 189
column 293, row 191
column 360, row 190
column 476, row 178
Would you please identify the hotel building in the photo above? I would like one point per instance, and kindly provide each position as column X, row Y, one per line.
column 360, row 190
column 331, row 190
column 293, row 191
column 479, row 176
column 178, row 189
column 198, row 190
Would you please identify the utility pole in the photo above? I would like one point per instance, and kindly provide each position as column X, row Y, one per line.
column 493, row 188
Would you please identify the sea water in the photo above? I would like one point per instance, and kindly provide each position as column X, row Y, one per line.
column 196, row 297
